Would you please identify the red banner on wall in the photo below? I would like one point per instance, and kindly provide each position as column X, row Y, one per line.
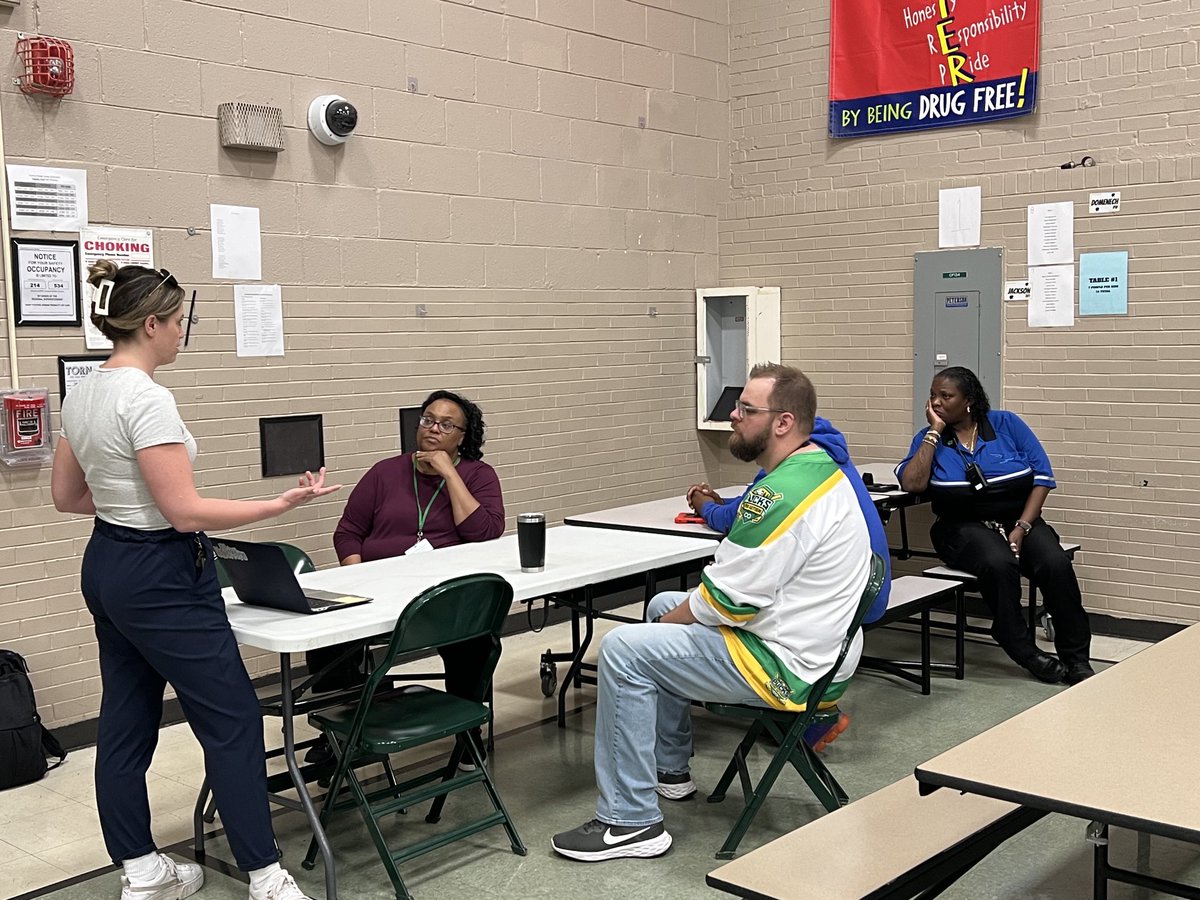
column 903, row 65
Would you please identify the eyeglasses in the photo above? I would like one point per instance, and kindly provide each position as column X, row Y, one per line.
column 746, row 409
column 445, row 426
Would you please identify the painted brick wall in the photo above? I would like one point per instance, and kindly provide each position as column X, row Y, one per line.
column 836, row 223
column 513, row 193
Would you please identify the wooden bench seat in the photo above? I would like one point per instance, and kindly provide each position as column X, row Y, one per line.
column 968, row 582
column 914, row 596
column 891, row 844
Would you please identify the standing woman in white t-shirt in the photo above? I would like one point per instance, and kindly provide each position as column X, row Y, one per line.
column 150, row 583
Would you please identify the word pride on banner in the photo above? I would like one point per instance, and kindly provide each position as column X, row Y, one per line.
column 903, row 65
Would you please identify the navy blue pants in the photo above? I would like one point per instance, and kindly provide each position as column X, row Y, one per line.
column 160, row 620
column 975, row 548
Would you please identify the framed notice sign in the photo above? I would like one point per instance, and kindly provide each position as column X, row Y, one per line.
column 46, row 281
column 73, row 369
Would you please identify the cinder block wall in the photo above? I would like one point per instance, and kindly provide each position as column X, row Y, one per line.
column 554, row 174
column 836, row 223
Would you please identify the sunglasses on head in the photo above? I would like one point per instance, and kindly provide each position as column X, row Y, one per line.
column 170, row 281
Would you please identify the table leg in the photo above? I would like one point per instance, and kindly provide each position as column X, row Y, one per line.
column 904, row 552
column 574, row 646
column 926, row 652
column 581, row 648
column 960, row 633
column 1098, row 835
column 289, row 755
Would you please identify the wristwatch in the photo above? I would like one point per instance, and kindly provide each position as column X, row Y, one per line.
column 1024, row 526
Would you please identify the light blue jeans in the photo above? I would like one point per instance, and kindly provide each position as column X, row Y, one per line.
column 648, row 675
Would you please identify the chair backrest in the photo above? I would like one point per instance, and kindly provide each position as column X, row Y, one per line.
column 456, row 610
column 876, row 579
column 297, row 558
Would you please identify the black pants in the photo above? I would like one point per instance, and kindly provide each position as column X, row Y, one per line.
column 160, row 620
column 984, row 552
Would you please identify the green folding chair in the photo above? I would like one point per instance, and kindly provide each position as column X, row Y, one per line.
column 787, row 729
column 384, row 721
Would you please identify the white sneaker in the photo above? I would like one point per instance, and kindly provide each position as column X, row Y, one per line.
column 282, row 887
column 178, row 880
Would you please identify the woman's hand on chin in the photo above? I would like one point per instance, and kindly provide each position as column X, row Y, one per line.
column 437, row 461
column 932, row 418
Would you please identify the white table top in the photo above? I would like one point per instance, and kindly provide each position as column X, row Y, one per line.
column 1116, row 748
column 653, row 516
column 575, row 557
column 658, row 516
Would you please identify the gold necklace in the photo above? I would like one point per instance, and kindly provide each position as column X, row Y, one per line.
column 970, row 445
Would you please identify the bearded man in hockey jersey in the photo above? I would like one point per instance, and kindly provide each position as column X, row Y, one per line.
column 766, row 622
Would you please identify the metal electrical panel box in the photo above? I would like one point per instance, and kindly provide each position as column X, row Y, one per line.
column 957, row 304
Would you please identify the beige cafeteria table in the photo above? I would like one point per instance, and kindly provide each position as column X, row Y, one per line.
column 904, row 847
column 1073, row 754
column 576, row 560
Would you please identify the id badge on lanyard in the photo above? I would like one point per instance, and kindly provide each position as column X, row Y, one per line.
column 422, row 545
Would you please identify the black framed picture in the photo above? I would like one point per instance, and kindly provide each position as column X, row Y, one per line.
column 73, row 369
column 46, row 281
column 408, row 428
column 291, row 445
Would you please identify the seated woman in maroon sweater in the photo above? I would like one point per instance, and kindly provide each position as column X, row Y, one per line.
column 440, row 495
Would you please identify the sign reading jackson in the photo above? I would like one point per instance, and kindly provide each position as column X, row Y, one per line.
column 903, row 65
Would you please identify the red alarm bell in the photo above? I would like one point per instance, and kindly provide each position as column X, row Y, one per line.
column 49, row 65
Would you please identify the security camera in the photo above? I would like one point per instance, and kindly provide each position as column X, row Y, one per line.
column 332, row 119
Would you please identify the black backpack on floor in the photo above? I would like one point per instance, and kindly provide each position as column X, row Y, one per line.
column 24, row 741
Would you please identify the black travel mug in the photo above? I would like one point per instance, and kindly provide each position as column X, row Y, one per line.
column 531, row 541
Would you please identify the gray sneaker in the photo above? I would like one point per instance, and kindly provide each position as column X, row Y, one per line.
column 675, row 787
column 596, row 841
column 178, row 880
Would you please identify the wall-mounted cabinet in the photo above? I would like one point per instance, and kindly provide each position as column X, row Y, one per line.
column 736, row 328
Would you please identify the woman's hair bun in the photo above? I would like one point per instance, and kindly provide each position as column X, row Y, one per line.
column 99, row 270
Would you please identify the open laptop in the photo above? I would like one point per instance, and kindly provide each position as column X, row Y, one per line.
column 262, row 577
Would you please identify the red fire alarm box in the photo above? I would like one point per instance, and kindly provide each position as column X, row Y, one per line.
column 48, row 65
column 25, row 437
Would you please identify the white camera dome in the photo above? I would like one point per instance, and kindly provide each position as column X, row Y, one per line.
column 332, row 119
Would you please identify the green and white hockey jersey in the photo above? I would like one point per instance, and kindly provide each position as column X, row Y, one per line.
column 786, row 582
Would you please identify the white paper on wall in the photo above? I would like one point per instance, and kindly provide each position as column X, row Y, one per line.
column 258, row 319
column 236, row 242
column 1051, row 296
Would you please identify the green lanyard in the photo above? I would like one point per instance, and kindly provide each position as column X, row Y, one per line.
column 423, row 514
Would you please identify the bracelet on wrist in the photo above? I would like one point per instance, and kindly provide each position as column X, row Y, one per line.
column 1024, row 526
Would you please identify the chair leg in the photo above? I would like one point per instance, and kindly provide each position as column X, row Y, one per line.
column 199, row 817
column 381, row 847
column 736, row 763
column 792, row 749
column 514, row 839
column 742, row 825
column 456, row 755
column 817, row 776
column 341, row 770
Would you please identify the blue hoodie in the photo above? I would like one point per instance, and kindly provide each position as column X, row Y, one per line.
column 719, row 516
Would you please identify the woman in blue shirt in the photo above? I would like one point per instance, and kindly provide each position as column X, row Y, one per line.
column 987, row 476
